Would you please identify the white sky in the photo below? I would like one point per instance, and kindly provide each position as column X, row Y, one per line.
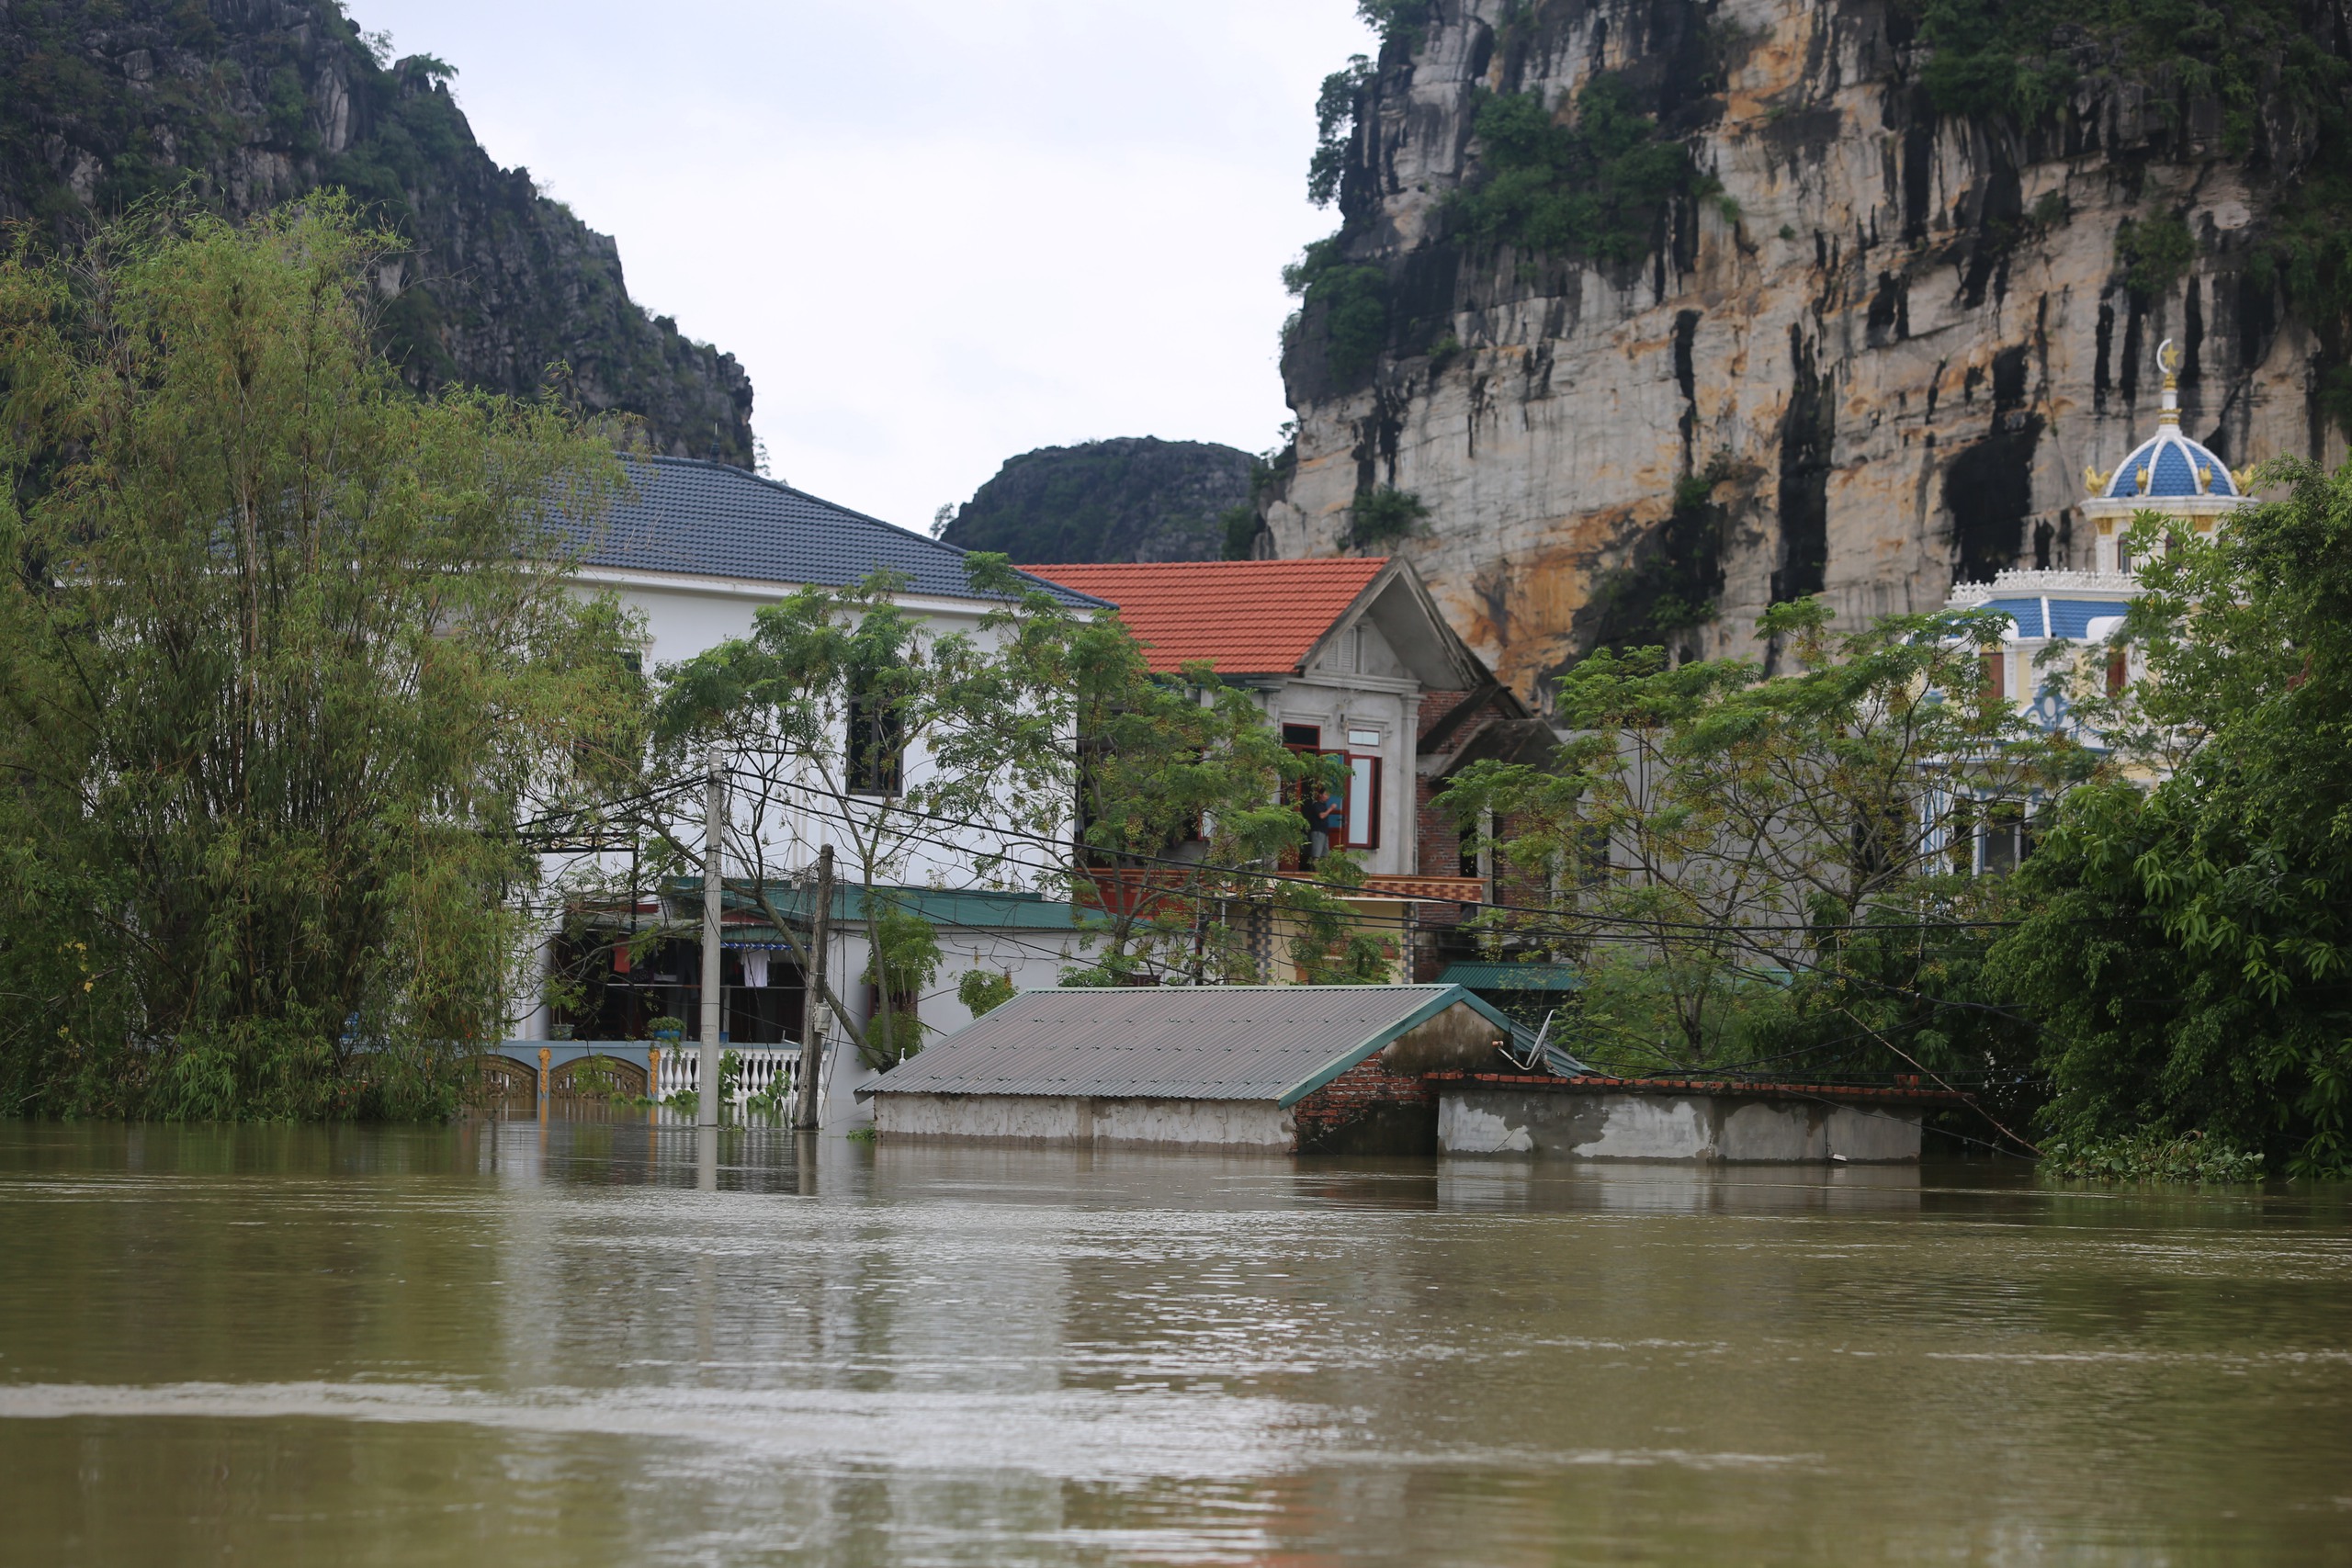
column 936, row 233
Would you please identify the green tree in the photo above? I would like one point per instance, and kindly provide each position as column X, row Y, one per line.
column 1185, row 801
column 2187, row 958
column 287, row 658
column 846, row 716
column 1772, row 870
column 902, row 959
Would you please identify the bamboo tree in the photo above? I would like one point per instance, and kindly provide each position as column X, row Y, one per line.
column 287, row 659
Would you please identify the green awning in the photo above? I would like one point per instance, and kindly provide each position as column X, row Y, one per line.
column 1512, row 977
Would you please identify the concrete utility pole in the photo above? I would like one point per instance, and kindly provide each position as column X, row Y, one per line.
column 713, row 827
column 814, row 1014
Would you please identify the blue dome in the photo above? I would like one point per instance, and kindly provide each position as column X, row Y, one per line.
column 2171, row 461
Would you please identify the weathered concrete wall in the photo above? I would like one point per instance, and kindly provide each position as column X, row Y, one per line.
column 1078, row 1121
column 1478, row 1119
column 1459, row 1040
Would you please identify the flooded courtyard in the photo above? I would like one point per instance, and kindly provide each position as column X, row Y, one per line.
column 591, row 1342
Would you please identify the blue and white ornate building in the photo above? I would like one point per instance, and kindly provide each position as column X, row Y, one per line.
column 2169, row 473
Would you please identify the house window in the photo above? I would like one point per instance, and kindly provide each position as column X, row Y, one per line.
column 1960, row 836
column 2118, row 673
column 1997, row 672
column 2006, row 838
column 1363, row 802
column 878, row 740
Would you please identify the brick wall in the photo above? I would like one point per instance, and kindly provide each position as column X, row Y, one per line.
column 1363, row 1091
column 1439, row 841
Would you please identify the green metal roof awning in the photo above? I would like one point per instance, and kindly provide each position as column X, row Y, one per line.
column 1512, row 977
column 973, row 910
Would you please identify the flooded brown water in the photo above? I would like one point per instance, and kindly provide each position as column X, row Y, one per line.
column 584, row 1344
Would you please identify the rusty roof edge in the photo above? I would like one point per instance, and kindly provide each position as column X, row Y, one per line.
column 1601, row 1083
column 1445, row 999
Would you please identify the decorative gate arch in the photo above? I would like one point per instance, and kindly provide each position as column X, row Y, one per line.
column 598, row 1077
column 503, row 1078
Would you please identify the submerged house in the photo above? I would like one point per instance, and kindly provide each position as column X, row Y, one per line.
column 1269, row 1069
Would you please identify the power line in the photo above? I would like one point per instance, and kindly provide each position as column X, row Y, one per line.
column 1344, row 889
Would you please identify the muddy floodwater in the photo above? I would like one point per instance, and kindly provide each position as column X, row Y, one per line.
column 516, row 1343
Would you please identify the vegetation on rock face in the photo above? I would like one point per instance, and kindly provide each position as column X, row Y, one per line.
column 1597, row 186
column 1138, row 498
column 283, row 669
column 1344, row 303
column 2155, row 252
column 106, row 102
column 1675, row 579
column 1384, row 516
column 2265, row 81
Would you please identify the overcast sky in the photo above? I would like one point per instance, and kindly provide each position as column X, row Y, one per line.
column 937, row 232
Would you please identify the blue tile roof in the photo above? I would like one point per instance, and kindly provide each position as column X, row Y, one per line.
column 2072, row 618
column 710, row 520
column 2171, row 461
column 2026, row 613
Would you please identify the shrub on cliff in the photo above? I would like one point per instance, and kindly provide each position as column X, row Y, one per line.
column 1597, row 186
column 284, row 665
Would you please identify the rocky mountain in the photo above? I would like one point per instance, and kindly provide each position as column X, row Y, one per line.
column 1645, row 314
column 1137, row 499
column 243, row 104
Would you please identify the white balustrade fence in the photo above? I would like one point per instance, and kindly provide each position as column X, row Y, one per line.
column 761, row 1066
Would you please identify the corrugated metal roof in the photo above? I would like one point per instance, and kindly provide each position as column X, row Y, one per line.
column 1248, row 617
column 1278, row 1042
column 711, row 520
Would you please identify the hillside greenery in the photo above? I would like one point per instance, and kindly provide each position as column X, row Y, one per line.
column 1131, row 498
column 104, row 104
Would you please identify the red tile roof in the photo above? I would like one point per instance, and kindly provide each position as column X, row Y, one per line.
column 1248, row 617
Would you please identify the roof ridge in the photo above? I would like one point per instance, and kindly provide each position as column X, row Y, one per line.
column 955, row 553
column 1373, row 561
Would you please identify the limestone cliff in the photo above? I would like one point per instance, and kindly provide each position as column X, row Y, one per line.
column 1855, row 346
column 243, row 104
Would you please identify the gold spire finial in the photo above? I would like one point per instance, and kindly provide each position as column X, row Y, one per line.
column 2169, row 357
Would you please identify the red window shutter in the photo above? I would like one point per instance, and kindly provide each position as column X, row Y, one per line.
column 2118, row 673
column 1996, row 668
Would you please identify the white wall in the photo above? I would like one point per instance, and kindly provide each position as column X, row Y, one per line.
column 1378, row 696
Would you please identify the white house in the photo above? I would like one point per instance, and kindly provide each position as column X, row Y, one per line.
column 697, row 548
